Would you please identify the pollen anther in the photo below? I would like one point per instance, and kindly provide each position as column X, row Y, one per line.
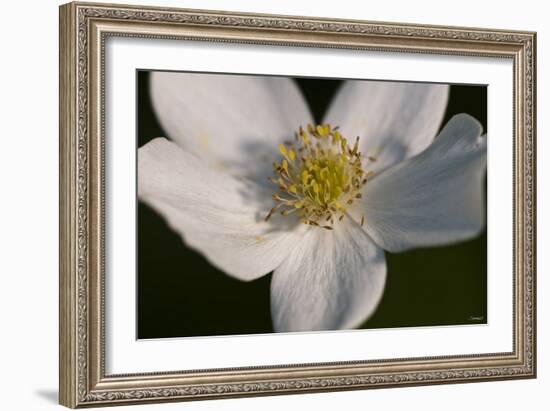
column 322, row 181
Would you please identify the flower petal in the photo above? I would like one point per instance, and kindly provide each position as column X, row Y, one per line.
column 435, row 198
column 228, row 119
column 393, row 120
column 331, row 280
column 215, row 213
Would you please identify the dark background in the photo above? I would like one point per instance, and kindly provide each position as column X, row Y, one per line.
column 181, row 294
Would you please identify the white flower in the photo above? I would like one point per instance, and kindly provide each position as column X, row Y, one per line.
column 398, row 188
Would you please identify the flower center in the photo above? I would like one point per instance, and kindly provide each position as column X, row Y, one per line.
column 319, row 176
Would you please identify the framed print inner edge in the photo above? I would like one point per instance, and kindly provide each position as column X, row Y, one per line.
column 83, row 30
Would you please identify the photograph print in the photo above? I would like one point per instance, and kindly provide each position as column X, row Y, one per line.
column 282, row 204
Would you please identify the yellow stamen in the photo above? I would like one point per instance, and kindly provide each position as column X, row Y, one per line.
column 282, row 149
column 323, row 181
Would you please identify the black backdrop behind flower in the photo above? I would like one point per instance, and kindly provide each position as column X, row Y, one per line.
column 180, row 294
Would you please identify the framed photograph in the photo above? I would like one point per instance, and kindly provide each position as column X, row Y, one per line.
column 260, row 204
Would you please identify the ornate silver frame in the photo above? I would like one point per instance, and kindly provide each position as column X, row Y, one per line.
column 83, row 30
